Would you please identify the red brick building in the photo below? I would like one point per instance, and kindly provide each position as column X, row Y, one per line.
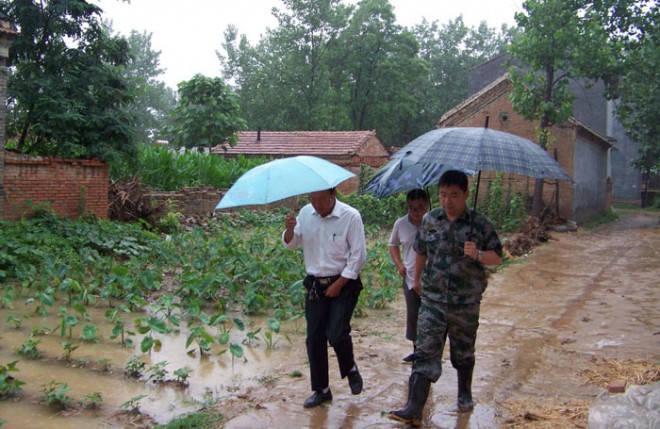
column 348, row 149
column 582, row 152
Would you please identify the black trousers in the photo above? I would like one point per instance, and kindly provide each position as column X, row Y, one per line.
column 329, row 321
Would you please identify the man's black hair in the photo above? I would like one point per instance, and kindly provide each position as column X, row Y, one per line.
column 417, row 194
column 454, row 177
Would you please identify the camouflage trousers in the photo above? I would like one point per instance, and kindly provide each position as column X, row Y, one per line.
column 438, row 321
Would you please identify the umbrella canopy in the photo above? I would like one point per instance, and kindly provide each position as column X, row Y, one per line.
column 400, row 175
column 283, row 178
column 480, row 149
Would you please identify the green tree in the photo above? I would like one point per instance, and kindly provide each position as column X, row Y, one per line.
column 154, row 101
column 634, row 77
column 375, row 69
column 302, row 42
column 65, row 91
column 451, row 50
column 258, row 78
column 334, row 67
column 207, row 114
column 558, row 42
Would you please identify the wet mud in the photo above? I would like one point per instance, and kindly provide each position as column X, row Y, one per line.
column 584, row 295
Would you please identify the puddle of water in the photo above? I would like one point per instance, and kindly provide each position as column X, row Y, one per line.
column 214, row 377
column 540, row 324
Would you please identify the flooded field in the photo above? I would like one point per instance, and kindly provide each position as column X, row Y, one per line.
column 584, row 296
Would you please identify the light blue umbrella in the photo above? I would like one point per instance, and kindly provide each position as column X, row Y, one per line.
column 283, row 178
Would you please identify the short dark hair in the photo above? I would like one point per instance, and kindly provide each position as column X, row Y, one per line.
column 417, row 194
column 454, row 177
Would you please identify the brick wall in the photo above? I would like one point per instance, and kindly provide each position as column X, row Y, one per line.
column 3, row 97
column 557, row 194
column 72, row 187
column 191, row 201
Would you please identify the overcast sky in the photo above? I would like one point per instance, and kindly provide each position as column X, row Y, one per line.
column 188, row 33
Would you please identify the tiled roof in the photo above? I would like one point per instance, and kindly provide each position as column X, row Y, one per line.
column 292, row 143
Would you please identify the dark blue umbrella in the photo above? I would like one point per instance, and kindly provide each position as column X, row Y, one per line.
column 477, row 149
column 400, row 175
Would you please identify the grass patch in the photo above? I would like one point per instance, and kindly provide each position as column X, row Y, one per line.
column 197, row 420
column 600, row 219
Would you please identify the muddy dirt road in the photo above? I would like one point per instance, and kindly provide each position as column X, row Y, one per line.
column 583, row 297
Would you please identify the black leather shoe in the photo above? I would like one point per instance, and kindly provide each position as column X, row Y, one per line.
column 409, row 358
column 355, row 382
column 317, row 399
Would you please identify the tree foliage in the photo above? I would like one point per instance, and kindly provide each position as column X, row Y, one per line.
column 639, row 107
column 558, row 42
column 153, row 101
column 331, row 66
column 615, row 41
column 634, row 42
column 451, row 50
column 207, row 114
column 66, row 93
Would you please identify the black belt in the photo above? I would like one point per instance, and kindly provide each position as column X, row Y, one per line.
column 325, row 281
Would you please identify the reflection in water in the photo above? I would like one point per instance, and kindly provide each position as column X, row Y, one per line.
column 215, row 377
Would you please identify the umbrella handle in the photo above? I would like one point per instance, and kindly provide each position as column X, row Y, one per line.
column 294, row 204
column 474, row 206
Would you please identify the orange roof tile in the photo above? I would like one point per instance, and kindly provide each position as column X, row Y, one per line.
column 292, row 143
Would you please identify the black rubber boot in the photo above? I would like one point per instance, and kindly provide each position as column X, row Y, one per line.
column 465, row 402
column 418, row 392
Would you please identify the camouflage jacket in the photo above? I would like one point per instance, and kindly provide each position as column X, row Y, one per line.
column 449, row 276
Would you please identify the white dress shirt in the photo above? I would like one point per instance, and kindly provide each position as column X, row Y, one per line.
column 332, row 245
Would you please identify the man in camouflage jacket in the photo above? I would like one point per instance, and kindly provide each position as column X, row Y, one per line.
column 453, row 246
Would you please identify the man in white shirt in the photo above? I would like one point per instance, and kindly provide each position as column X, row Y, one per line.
column 331, row 235
column 403, row 237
